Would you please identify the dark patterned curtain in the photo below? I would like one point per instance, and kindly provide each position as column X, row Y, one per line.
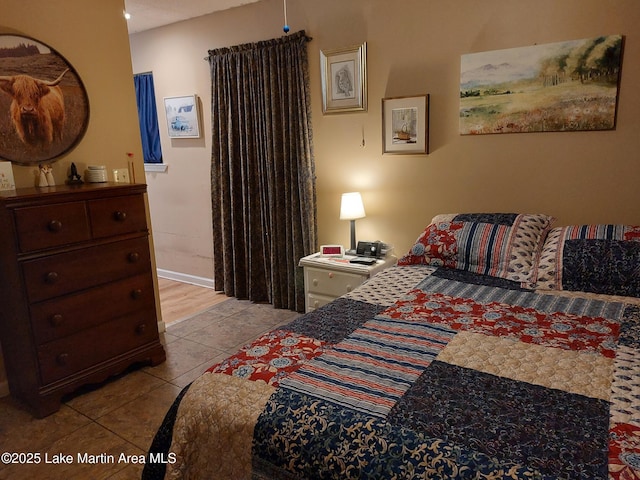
column 262, row 170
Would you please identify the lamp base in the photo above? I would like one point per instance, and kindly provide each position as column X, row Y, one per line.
column 353, row 235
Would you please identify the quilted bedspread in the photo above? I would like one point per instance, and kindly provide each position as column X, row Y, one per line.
column 421, row 374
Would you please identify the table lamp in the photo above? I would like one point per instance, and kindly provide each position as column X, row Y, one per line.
column 352, row 208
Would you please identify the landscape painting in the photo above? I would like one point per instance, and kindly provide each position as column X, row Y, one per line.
column 556, row 87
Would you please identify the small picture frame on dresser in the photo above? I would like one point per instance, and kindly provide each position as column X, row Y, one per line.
column 6, row 177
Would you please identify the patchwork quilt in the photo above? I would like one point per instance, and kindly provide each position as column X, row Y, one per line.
column 421, row 373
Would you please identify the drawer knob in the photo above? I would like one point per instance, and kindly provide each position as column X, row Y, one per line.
column 330, row 274
column 140, row 329
column 348, row 288
column 56, row 320
column 315, row 282
column 133, row 257
column 136, row 294
column 120, row 216
column 51, row 278
column 62, row 359
column 54, row 226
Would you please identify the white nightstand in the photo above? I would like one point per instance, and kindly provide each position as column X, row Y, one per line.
column 326, row 278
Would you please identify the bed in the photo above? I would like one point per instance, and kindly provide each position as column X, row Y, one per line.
column 500, row 346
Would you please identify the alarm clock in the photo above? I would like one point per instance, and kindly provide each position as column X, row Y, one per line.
column 331, row 251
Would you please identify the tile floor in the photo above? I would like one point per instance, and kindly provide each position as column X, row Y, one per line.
column 118, row 420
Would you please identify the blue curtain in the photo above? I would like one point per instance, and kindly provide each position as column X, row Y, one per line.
column 148, row 118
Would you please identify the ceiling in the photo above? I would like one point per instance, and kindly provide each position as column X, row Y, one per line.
column 148, row 14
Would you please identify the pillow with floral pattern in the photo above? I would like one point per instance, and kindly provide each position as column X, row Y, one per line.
column 504, row 245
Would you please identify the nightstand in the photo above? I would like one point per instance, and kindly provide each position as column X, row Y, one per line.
column 327, row 278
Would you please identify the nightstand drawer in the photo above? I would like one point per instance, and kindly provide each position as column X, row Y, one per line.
column 314, row 301
column 331, row 283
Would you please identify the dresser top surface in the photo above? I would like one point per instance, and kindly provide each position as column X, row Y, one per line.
column 60, row 192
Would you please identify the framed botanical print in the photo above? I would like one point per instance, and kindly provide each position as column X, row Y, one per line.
column 405, row 125
column 344, row 79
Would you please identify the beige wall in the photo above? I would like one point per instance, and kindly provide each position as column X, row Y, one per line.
column 414, row 47
column 180, row 198
column 93, row 37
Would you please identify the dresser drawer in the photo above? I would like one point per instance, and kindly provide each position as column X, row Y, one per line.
column 68, row 272
column 63, row 316
column 331, row 283
column 72, row 354
column 49, row 226
column 114, row 216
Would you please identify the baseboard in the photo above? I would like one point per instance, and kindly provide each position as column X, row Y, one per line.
column 185, row 278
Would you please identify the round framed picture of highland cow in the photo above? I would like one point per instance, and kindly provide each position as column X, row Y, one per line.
column 44, row 108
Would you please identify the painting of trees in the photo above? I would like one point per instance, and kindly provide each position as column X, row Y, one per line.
column 566, row 86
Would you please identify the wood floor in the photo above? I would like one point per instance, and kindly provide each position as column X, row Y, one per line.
column 179, row 300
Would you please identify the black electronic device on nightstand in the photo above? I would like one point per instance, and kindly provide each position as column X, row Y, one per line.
column 369, row 249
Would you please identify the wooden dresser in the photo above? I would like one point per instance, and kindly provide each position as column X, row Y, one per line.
column 76, row 288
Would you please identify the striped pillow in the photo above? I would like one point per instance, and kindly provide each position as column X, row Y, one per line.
column 504, row 245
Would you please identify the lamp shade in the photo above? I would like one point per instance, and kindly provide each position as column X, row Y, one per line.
column 351, row 206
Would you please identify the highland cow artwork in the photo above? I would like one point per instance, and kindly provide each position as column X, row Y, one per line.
column 556, row 87
column 44, row 107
